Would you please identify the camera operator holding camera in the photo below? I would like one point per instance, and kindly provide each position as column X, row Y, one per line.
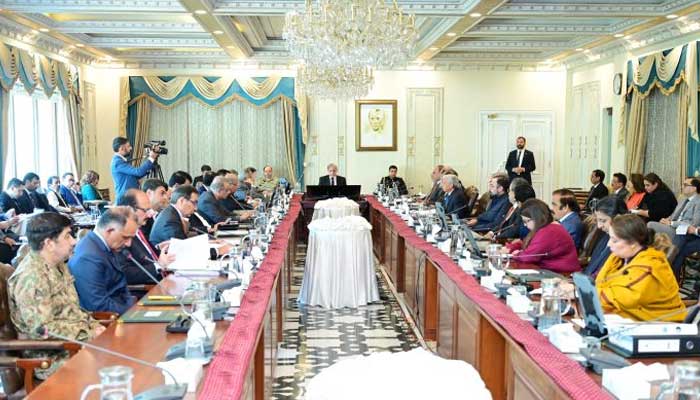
column 126, row 176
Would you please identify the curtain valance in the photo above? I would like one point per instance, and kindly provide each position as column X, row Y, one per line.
column 36, row 70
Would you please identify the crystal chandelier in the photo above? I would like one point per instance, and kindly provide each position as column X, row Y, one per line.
column 348, row 37
column 338, row 82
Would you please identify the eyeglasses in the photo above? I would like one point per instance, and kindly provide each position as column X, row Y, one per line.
column 145, row 210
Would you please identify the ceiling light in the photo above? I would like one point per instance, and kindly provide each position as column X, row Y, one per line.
column 579, row 49
column 628, row 37
column 475, row 15
column 217, row 32
column 230, row 47
column 43, row 30
column 587, row 51
column 618, row 35
column 79, row 45
column 683, row 18
column 672, row 16
column 34, row 31
column 434, row 49
column 451, row 34
column 200, row 12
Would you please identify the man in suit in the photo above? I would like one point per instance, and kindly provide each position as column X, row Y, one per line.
column 158, row 198
column 390, row 180
column 210, row 204
column 99, row 280
column 232, row 202
column 598, row 190
column 435, row 193
column 520, row 162
column 141, row 249
column 619, row 185
column 198, row 179
column 8, row 198
column 566, row 211
column 67, row 191
column 32, row 198
column 125, row 175
column 455, row 201
column 53, row 195
column 687, row 212
column 332, row 179
column 496, row 211
column 8, row 239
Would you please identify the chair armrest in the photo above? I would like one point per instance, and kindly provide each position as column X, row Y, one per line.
column 21, row 345
column 105, row 315
column 29, row 365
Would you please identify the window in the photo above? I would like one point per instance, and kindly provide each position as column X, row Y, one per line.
column 38, row 135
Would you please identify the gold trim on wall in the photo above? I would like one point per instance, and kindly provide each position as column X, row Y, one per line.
column 358, row 125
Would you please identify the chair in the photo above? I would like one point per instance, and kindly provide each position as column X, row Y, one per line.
column 104, row 193
column 82, row 233
column 21, row 253
column 16, row 371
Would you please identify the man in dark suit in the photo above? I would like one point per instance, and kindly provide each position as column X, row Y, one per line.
column 231, row 203
column 566, row 211
column 619, row 185
column 521, row 162
column 157, row 192
column 141, row 249
column 73, row 198
column 198, row 179
column 8, row 198
column 32, row 198
column 332, row 179
column 455, row 201
column 99, row 280
column 497, row 209
column 390, row 180
column 211, row 206
column 598, row 190
column 435, row 193
column 173, row 222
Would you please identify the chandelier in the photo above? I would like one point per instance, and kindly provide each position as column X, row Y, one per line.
column 338, row 82
column 349, row 37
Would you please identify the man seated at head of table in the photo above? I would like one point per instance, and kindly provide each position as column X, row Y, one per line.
column 178, row 219
column 392, row 179
column 637, row 281
column 141, row 249
column 158, row 199
column 332, row 179
column 454, row 200
column 99, row 279
column 548, row 245
column 41, row 291
column 211, row 206
column 497, row 208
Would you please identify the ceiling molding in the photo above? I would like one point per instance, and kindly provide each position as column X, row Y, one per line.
column 128, row 27
column 576, row 9
column 105, row 6
column 166, row 42
column 476, row 45
column 252, row 30
column 281, row 7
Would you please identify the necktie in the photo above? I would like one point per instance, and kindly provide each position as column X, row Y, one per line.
column 31, row 197
column 60, row 199
column 147, row 245
column 332, row 180
column 520, row 158
column 685, row 204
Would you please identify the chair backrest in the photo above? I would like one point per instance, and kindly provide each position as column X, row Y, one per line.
column 21, row 253
column 7, row 328
column 104, row 193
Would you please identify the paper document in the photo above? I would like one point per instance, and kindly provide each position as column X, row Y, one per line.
column 192, row 253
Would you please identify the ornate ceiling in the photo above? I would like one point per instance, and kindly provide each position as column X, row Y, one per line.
column 143, row 33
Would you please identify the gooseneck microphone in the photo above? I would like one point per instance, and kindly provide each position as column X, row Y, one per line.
column 143, row 269
column 171, row 391
column 195, row 229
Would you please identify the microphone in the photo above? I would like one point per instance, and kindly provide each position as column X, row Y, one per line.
column 459, row 209
column 195, row 229
column 498, row 232
column 169, row 391
column 143, row 269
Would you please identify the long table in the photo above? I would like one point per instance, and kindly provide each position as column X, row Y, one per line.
column 245, row 349
column 468, row 323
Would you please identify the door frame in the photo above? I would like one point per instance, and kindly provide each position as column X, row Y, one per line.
column 481, row 140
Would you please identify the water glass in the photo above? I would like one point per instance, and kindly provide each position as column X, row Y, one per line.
column 115, row 384
column 685, row 384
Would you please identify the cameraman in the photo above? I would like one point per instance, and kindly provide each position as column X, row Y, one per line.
column 125, row 175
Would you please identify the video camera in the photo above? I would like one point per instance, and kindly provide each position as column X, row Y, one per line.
column 150, row 145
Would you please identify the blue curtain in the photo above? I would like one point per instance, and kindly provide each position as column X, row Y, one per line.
column 694, row 145
column 285, row 88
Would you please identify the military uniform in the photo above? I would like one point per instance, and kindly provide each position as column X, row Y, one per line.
column 268, row 185
column 42, row 296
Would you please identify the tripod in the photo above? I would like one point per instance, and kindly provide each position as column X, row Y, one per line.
column 156, row 172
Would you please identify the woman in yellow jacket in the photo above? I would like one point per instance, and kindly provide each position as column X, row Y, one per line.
column 637, row 281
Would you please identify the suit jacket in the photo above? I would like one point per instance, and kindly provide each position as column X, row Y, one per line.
column 99, row 280
column 528, row 164
column 325, row 180
column 7, row 203
column 388, row 182
column 436, row 194
column 148, row 226
column 623, row 194
column 512, row 226
column 232, row 204
column 212, row 209
column 688, row 213
column 456, row 202
column 596, row 192
column 490, row 219
column 167, row 225
column 573, row 225
column 25, row 204
column 134, row 274
column 126, row 176
column 71, row 197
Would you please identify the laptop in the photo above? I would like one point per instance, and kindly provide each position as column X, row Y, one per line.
column 589, row 305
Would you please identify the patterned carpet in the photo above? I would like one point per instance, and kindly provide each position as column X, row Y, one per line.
column 315, row 338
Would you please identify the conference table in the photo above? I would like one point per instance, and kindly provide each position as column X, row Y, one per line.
column 245, row 348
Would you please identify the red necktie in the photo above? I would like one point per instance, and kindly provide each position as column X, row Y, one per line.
column 147, row 245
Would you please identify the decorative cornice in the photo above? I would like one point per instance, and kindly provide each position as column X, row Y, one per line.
column 254, row 30
column 149, row 42
column 105, row 6
column 480, row 45
column 129, row 27
column 440, row 29
column 537, row 29
column 490, row 56
column 279, row 7
column 574, row 9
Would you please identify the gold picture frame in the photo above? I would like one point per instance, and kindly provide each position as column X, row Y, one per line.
column 375, row 125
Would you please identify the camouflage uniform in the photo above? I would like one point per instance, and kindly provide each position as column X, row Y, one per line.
column 41, row 296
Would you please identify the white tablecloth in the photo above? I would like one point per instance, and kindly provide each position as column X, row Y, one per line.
column 422, row 375
column 335, row 208
column 339, row 264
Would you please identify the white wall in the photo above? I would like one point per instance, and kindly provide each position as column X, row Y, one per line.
column 332, row 125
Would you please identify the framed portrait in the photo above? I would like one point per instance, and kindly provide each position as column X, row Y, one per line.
column 375, row 125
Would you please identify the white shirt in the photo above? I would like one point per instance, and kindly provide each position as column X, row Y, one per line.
column 55, row 203
column 102, row 239
column 565, row 217
column 521, row 153
column 332, row 180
